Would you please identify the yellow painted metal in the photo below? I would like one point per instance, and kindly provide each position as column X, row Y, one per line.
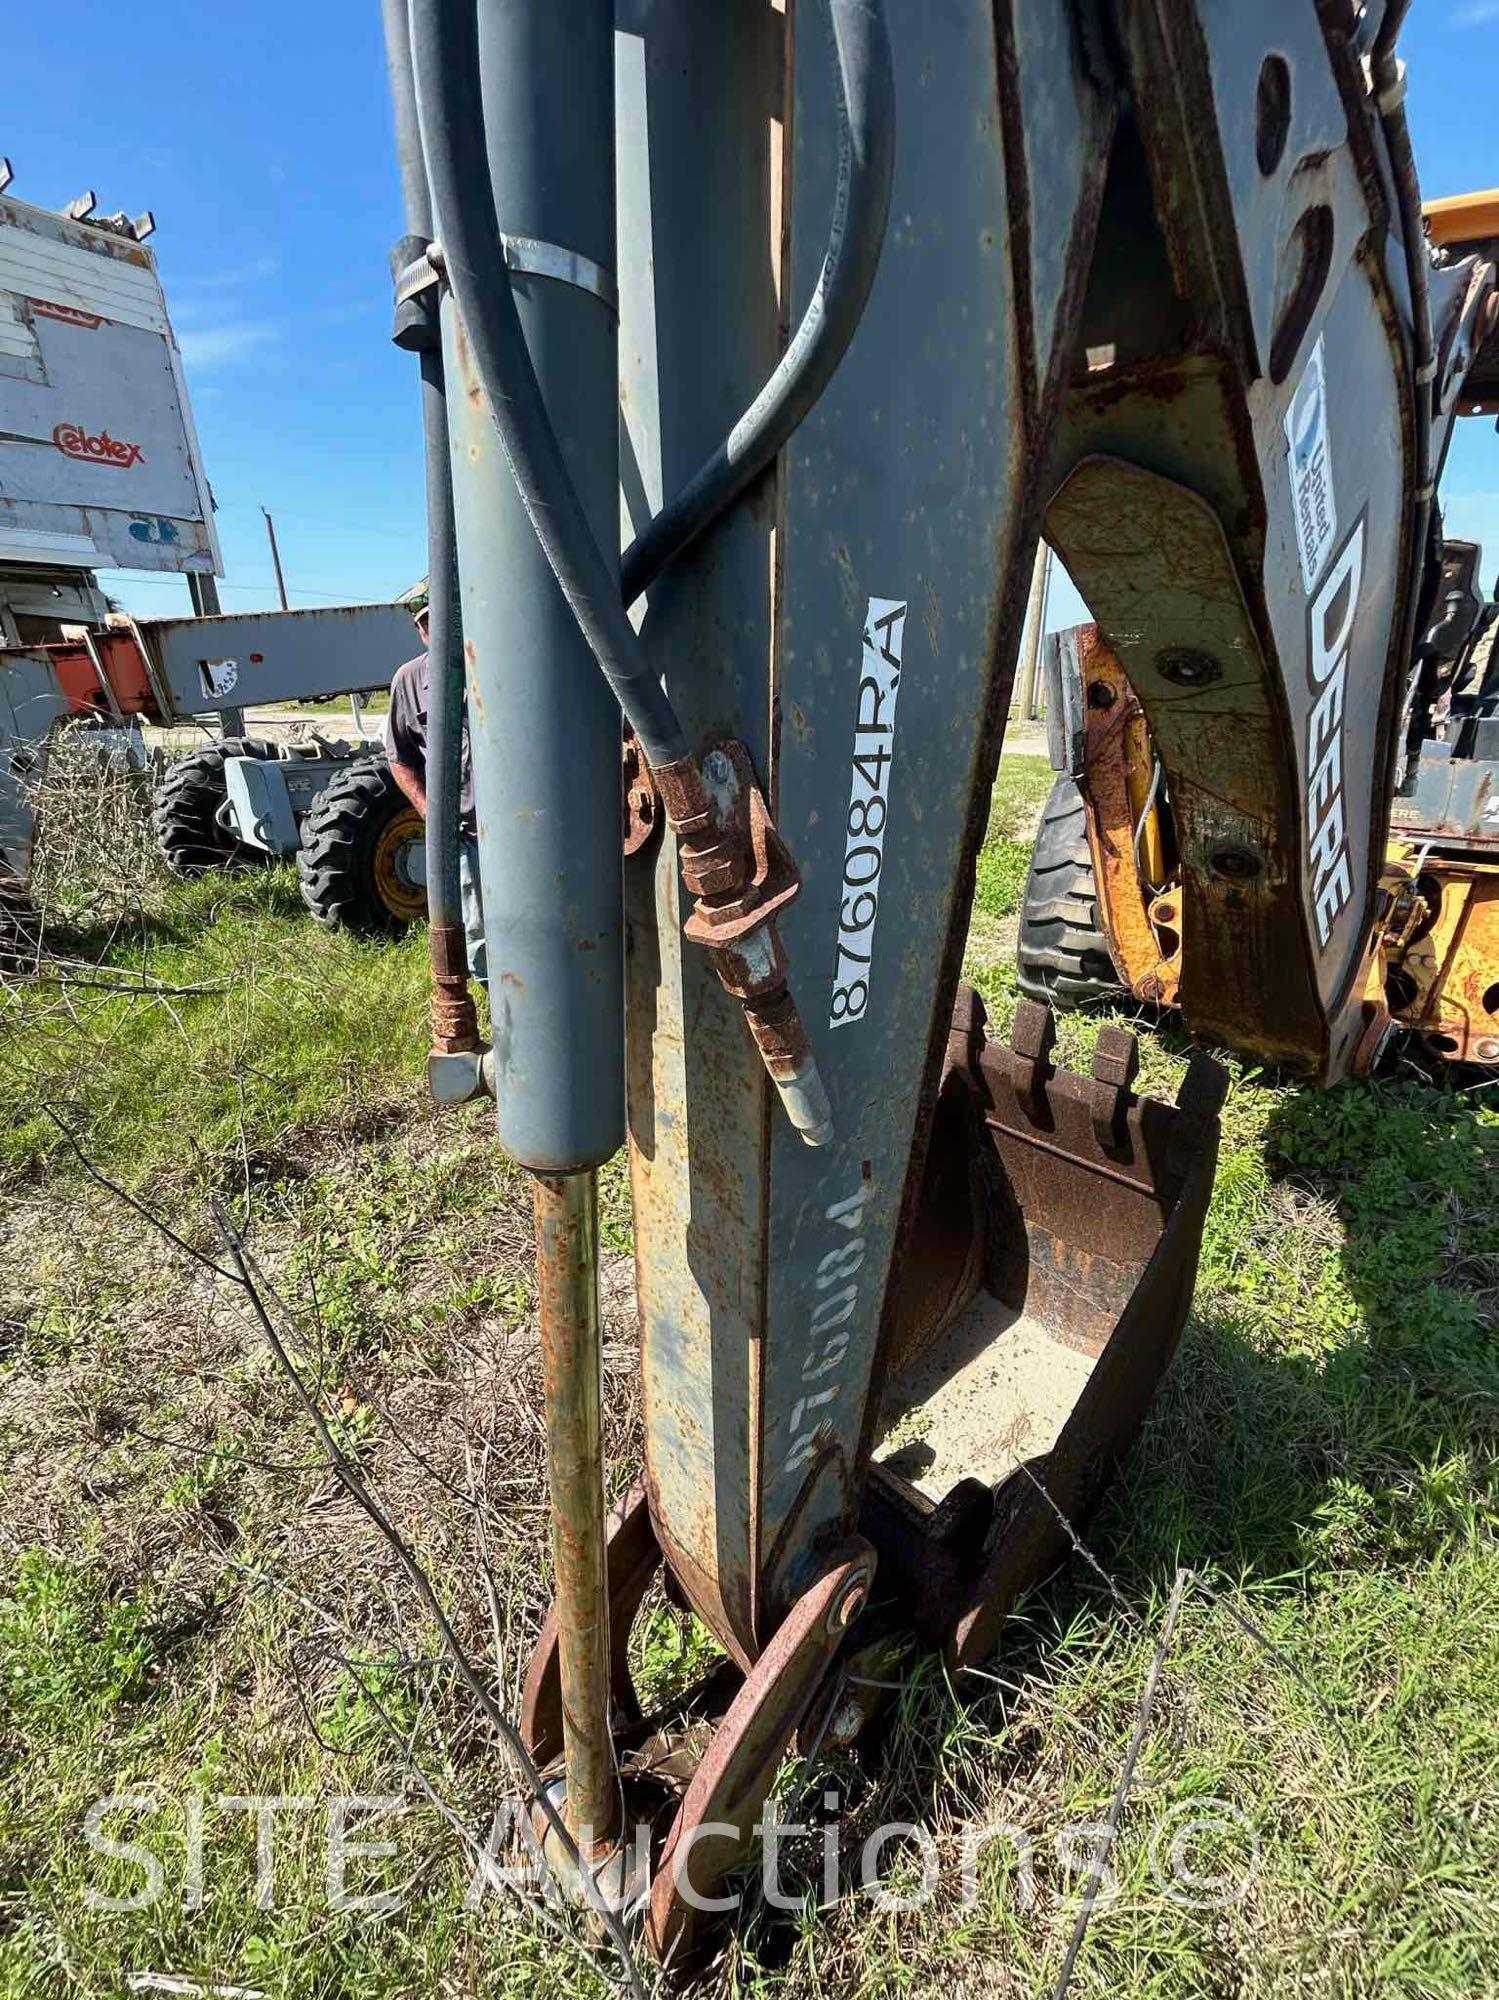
column 1442, row 967
column 1143, row 925
column 1463, row 218
column 1140, row 766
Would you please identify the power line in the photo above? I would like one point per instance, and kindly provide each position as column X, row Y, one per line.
column 341, row 592
column 362, row 523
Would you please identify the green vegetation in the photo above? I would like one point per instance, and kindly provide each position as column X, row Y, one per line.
column 1005, row 857
column 188, row 1608
column 258, row 1025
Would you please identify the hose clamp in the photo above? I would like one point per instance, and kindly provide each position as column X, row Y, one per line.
column 535, row 259
column 421, row 273
column 1390, row 88
column 415, row 280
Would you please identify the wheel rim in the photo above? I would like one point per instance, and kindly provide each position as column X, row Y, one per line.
column 399, row 891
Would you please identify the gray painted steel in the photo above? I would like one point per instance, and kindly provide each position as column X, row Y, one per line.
column 268, row 795
column 698, row 335
column 764, row 1266
column 259, row 805
column 545, row 729
column 908, row 508
column 30, row 703
column 266, row 656
column 1451, row 798
column 910, row 536
column 1066, row 724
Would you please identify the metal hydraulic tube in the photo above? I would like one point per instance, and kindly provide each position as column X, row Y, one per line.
column 567, row 1237
column 454, row 1023
column 536, row 113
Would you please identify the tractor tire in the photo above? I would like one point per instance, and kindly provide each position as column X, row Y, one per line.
column 190, row 837
column 1063, row 952
column 351, row 862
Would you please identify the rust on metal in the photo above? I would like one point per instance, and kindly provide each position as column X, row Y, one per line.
column 779, row 1033
column 1031, row 1043
column 742, row 876
column 1056, row 1232
column 455, row 1023
column 1143, row 926
column 632, row 1557
column 737, row 866
column 642, row 801
column 1026, row 1359
column 717, row 1816
column 572, row 1361
column 1440, row 955
column 1116, row 1062
column 1473, row 826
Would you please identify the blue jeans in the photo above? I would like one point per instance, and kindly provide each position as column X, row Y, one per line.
column 473, row 911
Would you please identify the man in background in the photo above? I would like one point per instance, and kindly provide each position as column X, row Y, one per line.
column 406, row 753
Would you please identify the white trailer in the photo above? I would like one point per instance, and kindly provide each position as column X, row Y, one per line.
column 100, row 470
column 99, row 461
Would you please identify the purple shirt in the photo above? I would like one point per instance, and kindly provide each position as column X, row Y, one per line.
column 406, row 735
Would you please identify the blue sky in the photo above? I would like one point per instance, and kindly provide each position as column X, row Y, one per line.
column 260, row 136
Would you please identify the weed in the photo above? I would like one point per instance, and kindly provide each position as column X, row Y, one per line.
column 187, row 1608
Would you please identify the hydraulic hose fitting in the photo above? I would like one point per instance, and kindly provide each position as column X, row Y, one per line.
column 460, row 1065
column 455, row 1021
column 742, row 876
column 787, row 1055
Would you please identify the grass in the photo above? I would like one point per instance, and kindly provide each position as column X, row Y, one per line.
column 374, row 704
column 188, row 1609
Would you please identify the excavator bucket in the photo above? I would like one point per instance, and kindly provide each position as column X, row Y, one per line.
column 1042, row 1296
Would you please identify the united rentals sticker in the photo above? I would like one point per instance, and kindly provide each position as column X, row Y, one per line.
column 1312, row 493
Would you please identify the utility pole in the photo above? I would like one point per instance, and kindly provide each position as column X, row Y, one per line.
column 270, row 528
column 1030, row 645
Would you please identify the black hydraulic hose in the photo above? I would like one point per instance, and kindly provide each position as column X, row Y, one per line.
column 445, row 51
column 1388, row 33
column 415, row 200
column 444, row 620
column 866, row 169
column 1389, row 90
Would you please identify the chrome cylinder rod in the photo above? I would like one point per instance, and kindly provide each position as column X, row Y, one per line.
column 567, row 1270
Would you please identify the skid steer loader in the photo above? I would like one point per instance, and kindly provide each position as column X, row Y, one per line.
column 845, row 320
